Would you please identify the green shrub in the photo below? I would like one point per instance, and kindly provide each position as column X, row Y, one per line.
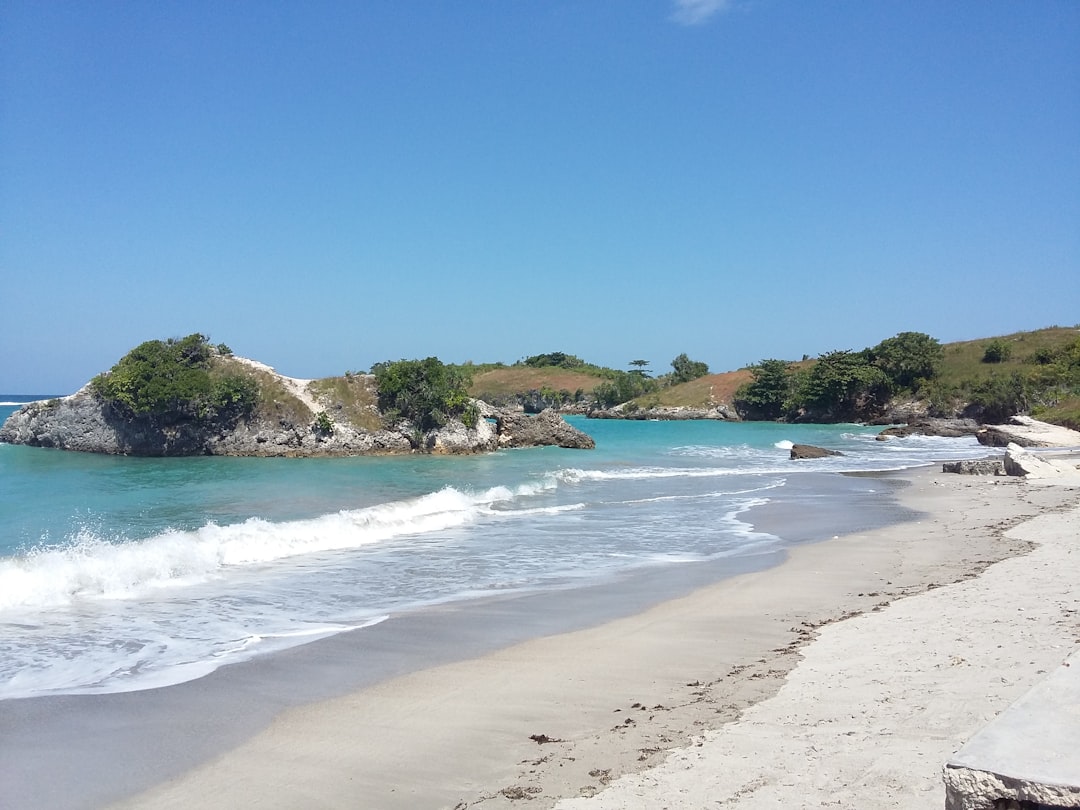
column 768, row 395
column 838, row 383
column 622, row 387
column 426, row 392
column 686, row 369
column 556, row 359
column 909, row 359
column 1000, row 397
column 997, row 351
column 174, row 379
column 323, row 426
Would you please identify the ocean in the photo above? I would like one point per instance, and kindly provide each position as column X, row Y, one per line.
column 121, row 574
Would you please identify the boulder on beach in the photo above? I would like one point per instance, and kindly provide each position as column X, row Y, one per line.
column 974, row 467
column 1021, row 461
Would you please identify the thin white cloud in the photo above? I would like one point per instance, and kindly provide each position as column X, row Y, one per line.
column 695, row 12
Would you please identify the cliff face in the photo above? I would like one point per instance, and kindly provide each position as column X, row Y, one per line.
column 83, row 422
column 296, row 418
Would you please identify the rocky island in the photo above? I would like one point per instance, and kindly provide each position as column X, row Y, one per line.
column 186, row 397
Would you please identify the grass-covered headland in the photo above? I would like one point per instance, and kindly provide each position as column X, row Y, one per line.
column 1037, row 373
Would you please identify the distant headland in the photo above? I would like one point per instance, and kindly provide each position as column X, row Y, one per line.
column 187, row 396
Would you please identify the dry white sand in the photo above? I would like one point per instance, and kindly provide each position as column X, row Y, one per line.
column 844, row 677
column 881, row 701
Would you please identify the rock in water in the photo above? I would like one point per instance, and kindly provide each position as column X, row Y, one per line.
column 546, row 428
column 799, row 451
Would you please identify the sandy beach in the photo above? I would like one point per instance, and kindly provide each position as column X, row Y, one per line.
column 844, row 677
column 615, row 691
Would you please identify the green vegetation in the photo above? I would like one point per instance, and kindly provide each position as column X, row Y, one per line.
column 686, row 369
column 907, row 360
column 176, row 379
column 428, row 393
column 997, row 351
column 841, row 384
column 554, row 360
column 622, row 387
column 1037, row 373
column 1032, row 372
column 769, row 394
column 323, row 426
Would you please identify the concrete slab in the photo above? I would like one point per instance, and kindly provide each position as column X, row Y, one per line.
column 1029, row 756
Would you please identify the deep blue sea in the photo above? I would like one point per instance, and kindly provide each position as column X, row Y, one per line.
column 120, row 573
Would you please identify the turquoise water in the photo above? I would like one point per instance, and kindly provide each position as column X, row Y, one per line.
column 122, row 573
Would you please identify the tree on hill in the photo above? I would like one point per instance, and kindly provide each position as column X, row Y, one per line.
column 840, row 385
column 426, row 392
column 640, row 367
column 768, row 395
column 623, row 386
column 908, row 359
column 687, row 369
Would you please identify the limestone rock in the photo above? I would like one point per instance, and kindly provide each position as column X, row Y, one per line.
column 980, row 467
column 1019, row 461
column 1027, row 432
column 1026, row 757
column 546, row 428
column 665, row 413
column 933, row 427
column 457, row 439
column 83, row 422
column 802, row 451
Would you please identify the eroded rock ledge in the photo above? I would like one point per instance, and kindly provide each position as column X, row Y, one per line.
column 84, row 422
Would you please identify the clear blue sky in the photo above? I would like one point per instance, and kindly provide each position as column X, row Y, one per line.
column 325, row 185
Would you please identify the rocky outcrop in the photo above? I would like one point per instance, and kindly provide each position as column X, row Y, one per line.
column 84, row 422
column 1027, row 432
column 802, row 451
column 1026, row 757
column 927, row 426
column 978, row 467
column 1021, row 461
column 665, row 413
column 546, row 428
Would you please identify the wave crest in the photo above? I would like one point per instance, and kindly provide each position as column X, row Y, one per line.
column 90, row 566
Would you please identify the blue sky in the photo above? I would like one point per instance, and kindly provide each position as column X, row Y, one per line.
column 325, row 185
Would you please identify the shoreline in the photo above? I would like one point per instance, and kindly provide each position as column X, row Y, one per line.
column 457, row 734
column 118, row 744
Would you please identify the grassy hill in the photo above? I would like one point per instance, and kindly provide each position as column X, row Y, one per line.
column 964, row 359
column 704, row 392
column 1038, row 372
column 497, row 383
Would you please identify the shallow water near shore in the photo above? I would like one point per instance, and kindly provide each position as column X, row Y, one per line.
column 120, row 574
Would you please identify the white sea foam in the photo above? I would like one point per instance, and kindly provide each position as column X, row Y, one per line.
column 573, row 475
column 157, row 663
column 92, row 567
